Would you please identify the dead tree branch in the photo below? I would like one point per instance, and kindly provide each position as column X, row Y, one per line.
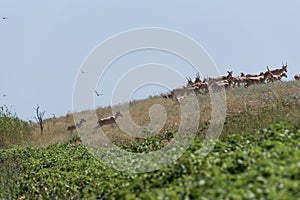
column 39, row 118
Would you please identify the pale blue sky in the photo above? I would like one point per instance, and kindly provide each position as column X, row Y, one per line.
column 43, row 44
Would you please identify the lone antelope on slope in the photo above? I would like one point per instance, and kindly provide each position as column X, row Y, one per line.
column 75, row 126
column 108, row 120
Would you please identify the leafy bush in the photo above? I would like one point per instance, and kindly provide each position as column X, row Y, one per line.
column 259, row 165
column 13, row 131
column 150, row 143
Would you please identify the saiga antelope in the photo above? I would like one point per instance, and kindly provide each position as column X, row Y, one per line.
column 217, row 86
column 277, row 77
column 220, row 78
column 189, row 80
column 258, row 80
column 239, row 79
column 197, row 79
column 278, row 71
column 255, row 75
column 109, row 120
column 75, row 126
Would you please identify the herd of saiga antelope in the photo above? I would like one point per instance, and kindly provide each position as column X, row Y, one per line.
column 202, row 87
column 218, row 83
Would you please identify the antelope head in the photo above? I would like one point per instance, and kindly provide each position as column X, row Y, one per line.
column 284, row 75
column 197, row 80
column 190, row 82
column 284, row 67
column 229, row 73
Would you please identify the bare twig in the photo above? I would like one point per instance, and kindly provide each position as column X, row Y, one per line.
column 39, row 118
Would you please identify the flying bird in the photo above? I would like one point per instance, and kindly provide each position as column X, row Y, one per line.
column 82, row 71
column 4, row 17
column 98, row 93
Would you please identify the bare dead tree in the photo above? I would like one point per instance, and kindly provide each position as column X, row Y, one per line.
column 39, row 118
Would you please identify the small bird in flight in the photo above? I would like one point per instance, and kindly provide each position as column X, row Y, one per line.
column 4, row 17
column 98, row 93
column 82, row 71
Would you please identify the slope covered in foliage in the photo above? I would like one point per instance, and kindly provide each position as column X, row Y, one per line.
column 263, row 164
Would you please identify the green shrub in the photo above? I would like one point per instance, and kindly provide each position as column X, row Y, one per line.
column 13, row 131
column 257, row 165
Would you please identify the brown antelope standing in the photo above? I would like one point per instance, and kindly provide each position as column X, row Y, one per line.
column 75, row 126
column 109, row 120
column 297, row 77
column 218, row 85
column 258, row 80
column 197, row 79
column 221, row 78
column 277, row 77
column 239, row 80
column 278, row 71
column 181, row 91
column 255, row 75
column 185, row 91
column 189, row 80
column 195, row 86
column 201, row 87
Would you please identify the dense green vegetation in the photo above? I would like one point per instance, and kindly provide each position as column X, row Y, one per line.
column 12, row 129
column 244, row 164
column 258, row 165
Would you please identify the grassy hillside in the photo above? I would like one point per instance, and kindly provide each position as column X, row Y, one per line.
column 248, row 109
column 257, row 156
